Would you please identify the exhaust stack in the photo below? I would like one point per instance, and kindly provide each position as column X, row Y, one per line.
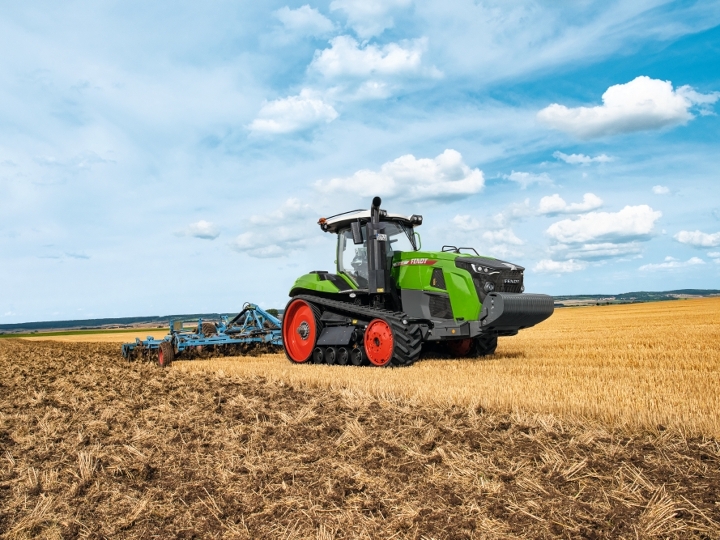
column 378, row 274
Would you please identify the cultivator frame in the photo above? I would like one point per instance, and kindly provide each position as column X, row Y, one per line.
column 252, row 331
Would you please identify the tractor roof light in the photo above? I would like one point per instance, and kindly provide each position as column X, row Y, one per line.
column 416, row 219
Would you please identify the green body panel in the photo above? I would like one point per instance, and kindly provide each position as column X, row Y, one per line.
column 459, row 285
column 460, row 288
column 312, row 282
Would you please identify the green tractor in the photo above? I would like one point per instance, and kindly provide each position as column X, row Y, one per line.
column 390, row 299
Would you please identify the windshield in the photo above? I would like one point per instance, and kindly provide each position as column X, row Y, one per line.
column 352, row 259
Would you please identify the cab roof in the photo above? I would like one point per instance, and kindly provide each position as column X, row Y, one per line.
column 340, row 221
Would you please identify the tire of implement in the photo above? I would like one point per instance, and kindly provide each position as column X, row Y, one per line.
column 166, row 354
column 208, row 329
column 407, row 338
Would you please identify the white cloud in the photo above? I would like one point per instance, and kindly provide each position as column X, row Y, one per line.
column 291, row 210
column 698, row 238
column 548, row 266
column 466, row 223
column 276, row 233
column 293, row 113
column 444, row 177
column 629, row 224
column 369, row 17
column 581, row 159
column 502, row 237
column 347, row 58
column 638, row 105
column 714, row 254
column 526, row 179
column 598, row 250
column 660, row 190
column 304, row 20
column 202, row 229
column 554, row 204
column 671, row 263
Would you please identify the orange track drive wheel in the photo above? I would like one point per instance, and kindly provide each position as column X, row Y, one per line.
column 299, row 331
column 379, row 342
column 460, row 348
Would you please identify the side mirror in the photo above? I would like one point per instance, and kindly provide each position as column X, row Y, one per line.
column 356, row 232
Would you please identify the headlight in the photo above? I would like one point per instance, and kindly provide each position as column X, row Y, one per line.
column 489, row 286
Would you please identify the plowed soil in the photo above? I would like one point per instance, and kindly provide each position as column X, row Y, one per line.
column 92, row 446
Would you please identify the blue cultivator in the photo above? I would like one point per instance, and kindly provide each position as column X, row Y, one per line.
column 252, row 331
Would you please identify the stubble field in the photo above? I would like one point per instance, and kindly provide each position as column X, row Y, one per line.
column 599, row 423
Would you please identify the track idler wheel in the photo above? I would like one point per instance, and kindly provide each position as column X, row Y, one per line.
column 300, row 330
column 166, row 354
column 379, row 342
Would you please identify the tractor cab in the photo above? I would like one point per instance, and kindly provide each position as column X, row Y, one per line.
column 397, row 231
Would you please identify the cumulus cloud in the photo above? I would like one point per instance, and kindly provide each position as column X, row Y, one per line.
column 638, row 105
column 202, row 229
column 293, row 113
column 554, row 204
column 291, row 210
column 630, row 223
column 672, row 263
column 714, row 254
column 660, row 190
column 444, row 177
column 304, row 20
column 548, row 266
column 597, row 250
column 289, row 231
column 347, row 58
column 581, row 159
column 698, row 238
column 502, row 236
column 369, row 17
column 526, row 179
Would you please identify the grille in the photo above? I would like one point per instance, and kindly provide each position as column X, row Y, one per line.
column 440, row 307
column 438, row 278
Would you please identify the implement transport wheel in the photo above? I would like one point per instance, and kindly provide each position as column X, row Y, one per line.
column 208, row 329
column 300, row 330
column 485, row 344
column 460, row 348
column 166, row 354
column 379, row 342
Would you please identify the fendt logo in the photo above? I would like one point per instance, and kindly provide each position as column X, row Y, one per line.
column 415, row 262
column 512, row 281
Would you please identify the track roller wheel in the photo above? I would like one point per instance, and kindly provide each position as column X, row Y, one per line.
column 343, row 356
column 300, row 330
column 357, row 357
column 318, row 355
column 460, row 348
column 379, row 342
column 330, row 355
column 166, row 354
column 485, row 344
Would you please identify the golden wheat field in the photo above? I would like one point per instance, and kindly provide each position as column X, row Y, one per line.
column 638, row 365
column 599, row 423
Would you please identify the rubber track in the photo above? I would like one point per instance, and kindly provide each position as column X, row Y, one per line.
column 407, row 337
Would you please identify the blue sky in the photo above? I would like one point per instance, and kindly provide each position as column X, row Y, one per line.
column 161, row 158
